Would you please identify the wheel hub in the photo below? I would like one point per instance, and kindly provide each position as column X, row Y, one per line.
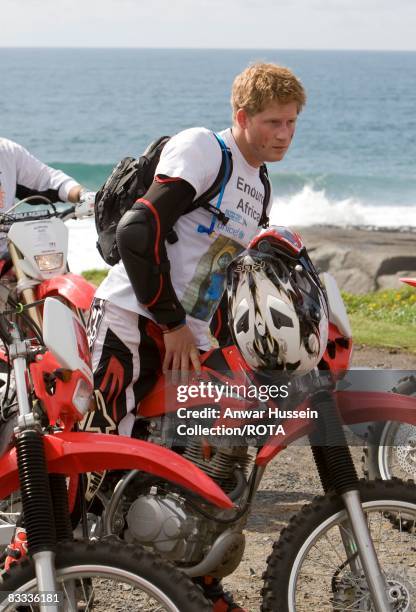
column 405, row 448
column 399, row 593
column 352, row 593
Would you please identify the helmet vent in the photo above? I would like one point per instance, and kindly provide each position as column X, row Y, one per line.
column 280, row 320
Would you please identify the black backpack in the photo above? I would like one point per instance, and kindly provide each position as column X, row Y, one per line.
column 130, row 180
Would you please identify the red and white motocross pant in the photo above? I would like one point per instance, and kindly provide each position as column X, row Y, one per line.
column 127, row 354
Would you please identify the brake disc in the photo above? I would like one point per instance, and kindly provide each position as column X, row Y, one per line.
column 405, row 448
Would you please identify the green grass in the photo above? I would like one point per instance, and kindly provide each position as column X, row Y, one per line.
column 381, row 333
column 95, row 276
column 384, row 318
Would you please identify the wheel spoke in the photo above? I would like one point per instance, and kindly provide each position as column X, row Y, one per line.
column 109, row 577
column 324, row 576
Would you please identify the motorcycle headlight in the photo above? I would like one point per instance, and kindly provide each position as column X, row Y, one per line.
column 49, row 262
column 82, row 396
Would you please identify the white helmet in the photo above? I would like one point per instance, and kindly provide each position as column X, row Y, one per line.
column 277, row 307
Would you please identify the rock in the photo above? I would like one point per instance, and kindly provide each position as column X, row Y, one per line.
column 395, row 263
column 354, row 280
column 361, row 260
column 328, row 257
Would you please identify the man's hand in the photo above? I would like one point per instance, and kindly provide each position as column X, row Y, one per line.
column 180, row 349
column 85, row 206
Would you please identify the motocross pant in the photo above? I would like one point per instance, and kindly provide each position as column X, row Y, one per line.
column 127, row 353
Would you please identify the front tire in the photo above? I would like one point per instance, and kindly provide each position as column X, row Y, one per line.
column 110, row 575
column 309, row 570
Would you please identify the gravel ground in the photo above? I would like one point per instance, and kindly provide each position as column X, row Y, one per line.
column 291, row 481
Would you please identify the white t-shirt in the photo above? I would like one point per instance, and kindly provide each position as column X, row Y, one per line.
column 19, row 167
column 198, row 261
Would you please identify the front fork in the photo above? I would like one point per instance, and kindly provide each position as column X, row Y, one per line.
column 44, row 497
column 337, row 471
column 26, row 284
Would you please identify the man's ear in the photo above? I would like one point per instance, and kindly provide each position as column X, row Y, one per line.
column 241, row 118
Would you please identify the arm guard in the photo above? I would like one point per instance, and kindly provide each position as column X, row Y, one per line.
column 141, row 236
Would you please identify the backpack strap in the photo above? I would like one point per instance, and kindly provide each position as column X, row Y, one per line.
column 216, row 188
column 219, row 185
column 264, row 177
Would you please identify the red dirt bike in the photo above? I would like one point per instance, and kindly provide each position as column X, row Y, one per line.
column 53, row 382
column 341, row 552
column 34, row 266
column 391, row 446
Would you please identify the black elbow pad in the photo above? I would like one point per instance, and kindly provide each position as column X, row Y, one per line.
column 136, row 237
column 143, row 252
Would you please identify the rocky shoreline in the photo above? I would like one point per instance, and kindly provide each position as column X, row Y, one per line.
column 362, row 259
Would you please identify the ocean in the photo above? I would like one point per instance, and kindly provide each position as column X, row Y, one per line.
column 352, row 161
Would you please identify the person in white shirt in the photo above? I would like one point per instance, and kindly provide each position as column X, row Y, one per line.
column 23, row 175
column 153, row 310
column 172, row 289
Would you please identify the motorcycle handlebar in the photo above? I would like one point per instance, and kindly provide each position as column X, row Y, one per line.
column 6, row 220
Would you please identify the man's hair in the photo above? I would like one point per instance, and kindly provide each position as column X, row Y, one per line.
column 261, row 83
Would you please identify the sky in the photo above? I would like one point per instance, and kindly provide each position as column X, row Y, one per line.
column 250, row 24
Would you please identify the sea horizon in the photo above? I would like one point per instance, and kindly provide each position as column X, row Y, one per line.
column 351, row 162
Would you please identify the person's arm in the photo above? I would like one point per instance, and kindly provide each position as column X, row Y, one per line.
column 195, row 157
column 36, row 178
column 141, row 236
column 74, row 194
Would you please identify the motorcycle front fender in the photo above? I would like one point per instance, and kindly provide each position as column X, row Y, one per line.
column 364, row 406
column 79, row 452
column 74, row 288
column 355, row 407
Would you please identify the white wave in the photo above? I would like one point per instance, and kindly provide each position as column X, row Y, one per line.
column 82, row 252
column 311, row 207
column 307, row 207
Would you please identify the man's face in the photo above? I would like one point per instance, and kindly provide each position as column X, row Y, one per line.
column 268, row 134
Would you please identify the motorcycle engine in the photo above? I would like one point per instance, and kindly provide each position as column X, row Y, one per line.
column 167, row 523
column 227, row 465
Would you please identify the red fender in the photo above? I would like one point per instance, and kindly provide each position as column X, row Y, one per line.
column 78, row 452
column 72, row 287
column 355, row 407
column 409, row 281
column 364, row 406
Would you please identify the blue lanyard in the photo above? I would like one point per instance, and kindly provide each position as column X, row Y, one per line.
column 203, row 229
